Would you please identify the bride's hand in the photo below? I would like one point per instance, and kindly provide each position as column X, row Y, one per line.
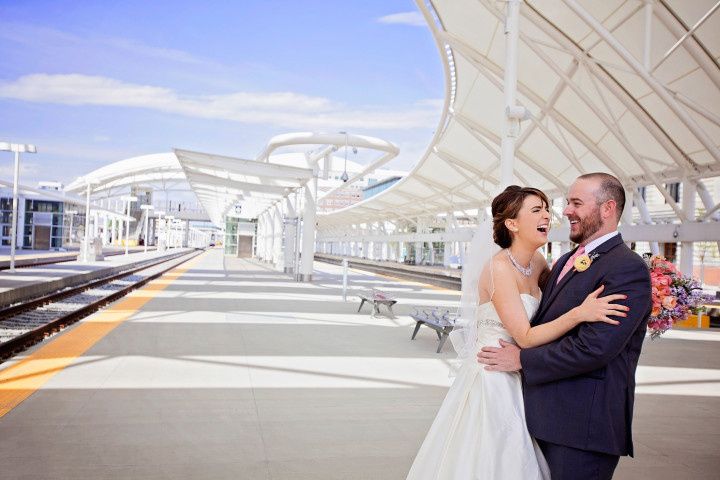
column 599, row 309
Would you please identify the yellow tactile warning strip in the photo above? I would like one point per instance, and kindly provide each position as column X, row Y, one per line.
column 20, row 381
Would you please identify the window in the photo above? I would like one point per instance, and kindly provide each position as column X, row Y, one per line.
column 674, row 190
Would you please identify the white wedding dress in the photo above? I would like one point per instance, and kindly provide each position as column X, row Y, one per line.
column 480, row 431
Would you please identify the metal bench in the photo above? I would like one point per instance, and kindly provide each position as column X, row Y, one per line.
column 439, row 319
column 377, row 298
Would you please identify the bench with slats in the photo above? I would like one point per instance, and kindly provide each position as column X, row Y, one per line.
column 377, row 298
column 439, row 319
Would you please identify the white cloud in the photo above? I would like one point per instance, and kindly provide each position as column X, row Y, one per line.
column 283, row 109
column 135, row 47
column 82, row 152
column 405, row 18
column 26, row 169
column 44, row 38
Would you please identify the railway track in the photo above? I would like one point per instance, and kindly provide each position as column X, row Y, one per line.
column 430, row 278
column 27, row 323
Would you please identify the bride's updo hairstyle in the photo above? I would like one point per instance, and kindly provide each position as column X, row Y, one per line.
column 506, row 206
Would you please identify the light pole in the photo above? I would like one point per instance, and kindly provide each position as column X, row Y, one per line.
column 160, row 231
column 147, row 209
column 72, row 213
column 170, row 219
column 86, row 248
column 129, row 199
column 17, row 148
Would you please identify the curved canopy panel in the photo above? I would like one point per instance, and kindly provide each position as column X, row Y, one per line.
column 157, row 167
column 621, row 86
column 222, row 182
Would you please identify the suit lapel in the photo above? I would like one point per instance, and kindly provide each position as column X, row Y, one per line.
column 550, row 286
column 556, row 289
column 552, row 281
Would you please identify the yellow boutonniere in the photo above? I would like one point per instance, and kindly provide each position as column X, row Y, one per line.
column 583, row 262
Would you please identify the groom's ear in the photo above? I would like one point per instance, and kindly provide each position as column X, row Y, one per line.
column 608, row 210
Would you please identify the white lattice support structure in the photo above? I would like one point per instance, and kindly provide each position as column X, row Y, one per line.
column 712, row 209
column 278, row 251
column 448, row 245
column 687, row 252
column 260, row 241
column 308, row 231
column 289, row 244
column 268, row 237
column 647, row 220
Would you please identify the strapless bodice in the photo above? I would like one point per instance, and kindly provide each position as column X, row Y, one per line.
column 489, row 325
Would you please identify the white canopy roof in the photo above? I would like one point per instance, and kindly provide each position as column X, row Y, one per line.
column 222, row 182
column 145, row 169
column 623, row 86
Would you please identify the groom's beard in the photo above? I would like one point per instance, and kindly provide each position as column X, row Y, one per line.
column 587, row 226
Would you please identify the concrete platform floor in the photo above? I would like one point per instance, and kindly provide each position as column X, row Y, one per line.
column 234, row 371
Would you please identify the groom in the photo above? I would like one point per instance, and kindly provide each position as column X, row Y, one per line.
column 579, row 390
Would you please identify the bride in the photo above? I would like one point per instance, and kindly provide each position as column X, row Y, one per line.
column 479, row 432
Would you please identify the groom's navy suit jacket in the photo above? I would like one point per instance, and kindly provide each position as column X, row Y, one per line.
column 579, row 390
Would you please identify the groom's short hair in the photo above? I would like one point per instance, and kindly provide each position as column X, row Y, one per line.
column 610, row 189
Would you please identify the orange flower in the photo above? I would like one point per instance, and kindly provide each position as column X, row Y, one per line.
column 655, row 311
column 669, row 302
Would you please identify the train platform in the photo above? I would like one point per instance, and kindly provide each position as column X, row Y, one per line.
column 26, row 258
column 32, row 282
column 439, row 276
column 226, row 368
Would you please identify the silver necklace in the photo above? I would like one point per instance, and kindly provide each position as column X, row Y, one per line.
column 527, row 271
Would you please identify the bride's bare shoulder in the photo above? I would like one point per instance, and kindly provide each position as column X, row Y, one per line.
column 499, row 261
column 497, row 266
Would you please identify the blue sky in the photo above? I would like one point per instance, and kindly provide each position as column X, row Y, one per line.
column 94, row 82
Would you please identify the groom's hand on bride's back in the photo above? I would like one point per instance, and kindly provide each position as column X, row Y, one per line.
column 505, row 358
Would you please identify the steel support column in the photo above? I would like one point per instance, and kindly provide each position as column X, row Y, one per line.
column 687, row 252
column 308, row 229
column 511, row 128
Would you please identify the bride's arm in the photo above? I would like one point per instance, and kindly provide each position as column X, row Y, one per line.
column 508, row 303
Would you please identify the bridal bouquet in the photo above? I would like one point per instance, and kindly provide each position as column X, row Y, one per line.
column 674, row 296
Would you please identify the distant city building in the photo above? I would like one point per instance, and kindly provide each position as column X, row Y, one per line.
column 42, row 226
column 54, row 186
